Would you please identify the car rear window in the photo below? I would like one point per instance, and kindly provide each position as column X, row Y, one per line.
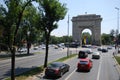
column 55, row 65
column 83, row 62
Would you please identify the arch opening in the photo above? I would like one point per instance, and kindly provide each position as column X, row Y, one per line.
column 86, row 36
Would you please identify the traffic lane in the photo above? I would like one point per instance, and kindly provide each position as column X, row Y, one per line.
column 72, row 62
column 92, row 75
column 24, row 64
column 108, row 69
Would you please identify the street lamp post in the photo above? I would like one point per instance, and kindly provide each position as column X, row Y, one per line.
column 117, row 19
column 117, row 26
column 68, row 38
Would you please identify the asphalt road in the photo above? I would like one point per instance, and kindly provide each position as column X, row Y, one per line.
column 104, row 68
column 26, row 63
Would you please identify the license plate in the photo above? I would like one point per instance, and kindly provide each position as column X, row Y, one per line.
column 82, row 65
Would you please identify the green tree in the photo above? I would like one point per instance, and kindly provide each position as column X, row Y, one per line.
column 112, row 33
column 105, row 39
column 11, row 19
column 30, row 24
column 52, row 11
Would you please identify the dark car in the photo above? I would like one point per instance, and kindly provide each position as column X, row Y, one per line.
column 109, row 47
column 100, row 49
column 104, row 50
column 84, row 64
column 56, row 69
column 82, row 54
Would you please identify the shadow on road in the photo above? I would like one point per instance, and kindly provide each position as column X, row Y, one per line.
column 83, row 71
column 8, row 56
column 51, row 77
column 20, row 71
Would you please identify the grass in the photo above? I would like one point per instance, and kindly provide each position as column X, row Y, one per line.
column 118, row 59
column 65, row 58
column 37, row 52
column 38, row 70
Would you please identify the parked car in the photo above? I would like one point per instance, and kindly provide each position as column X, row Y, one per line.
column 43, row 47
column 82, row 54
column 55, row 47
column 22, row 50
column 35, row 48
column 95, row 55
column 56, row 69
column 84, row 64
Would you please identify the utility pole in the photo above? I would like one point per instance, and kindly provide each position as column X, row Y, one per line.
column 68, row 38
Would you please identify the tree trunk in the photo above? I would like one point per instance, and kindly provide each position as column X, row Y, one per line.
column 28, row 45
column 46, row 54
column 13, row 64
column 28, row 50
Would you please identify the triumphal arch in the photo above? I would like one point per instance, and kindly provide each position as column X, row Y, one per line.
column 87, row 21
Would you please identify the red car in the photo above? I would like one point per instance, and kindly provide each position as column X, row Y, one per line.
column 84, row 64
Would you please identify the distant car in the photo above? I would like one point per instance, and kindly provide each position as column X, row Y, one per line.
column 35, row 48
column 89, row 51
column 100, row 49
column 43, row 47
column 84, row 46
column 95, row 55
column 104, row 50
column 56, row 69
column 109, row 47
column 22, row 50
column 82, row 54
column 84, row 64
column 56, row 47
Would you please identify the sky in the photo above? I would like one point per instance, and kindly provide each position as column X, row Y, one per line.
column 105, row 8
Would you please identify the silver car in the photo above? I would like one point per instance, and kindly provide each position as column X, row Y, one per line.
column 96, row 55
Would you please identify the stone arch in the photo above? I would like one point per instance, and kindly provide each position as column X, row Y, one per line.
column 92, row 22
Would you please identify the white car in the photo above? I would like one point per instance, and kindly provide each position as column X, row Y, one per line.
column 22, row 50
column 89, row 51
column 35, row 48
column 95, row 55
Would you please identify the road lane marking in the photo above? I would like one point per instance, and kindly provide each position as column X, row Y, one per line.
column 98, row 75
column 70, row 75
